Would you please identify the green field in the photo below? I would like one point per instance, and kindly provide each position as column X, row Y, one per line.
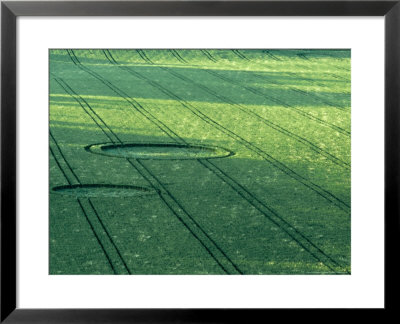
column 200, row 161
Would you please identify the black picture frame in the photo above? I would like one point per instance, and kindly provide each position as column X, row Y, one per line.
column 10, row 10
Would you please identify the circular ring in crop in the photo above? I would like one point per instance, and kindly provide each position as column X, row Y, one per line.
column 102, row 190
column 159, row 151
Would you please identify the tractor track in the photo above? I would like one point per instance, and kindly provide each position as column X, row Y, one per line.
column 276, row 163
column 305, row 93
column 211, row 166
column 282, row 103
column 208, row 55
column 103, row 237
column 267, row 122
column 178, row 56
column 170, row 201
column 274, row 99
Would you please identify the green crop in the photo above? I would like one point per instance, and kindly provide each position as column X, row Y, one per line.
column 200, row 161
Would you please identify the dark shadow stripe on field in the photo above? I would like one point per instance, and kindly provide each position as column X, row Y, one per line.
column 281, row 102
column 251, row 203
column 175, row 207
column 276, row 99
column 279, row 165
column 267, row 122
column 260, row 61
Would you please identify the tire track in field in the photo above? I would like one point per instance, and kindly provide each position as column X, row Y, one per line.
column 267, row 122
column 269, row 54
column 110, row 263
column 150, row 178
column 178, row 56
column 306, row 242
column 303, row 241
column 239, row 54
column 304, row 56
column 208, row 55
column 274, row 99
column 103, row 237
column 113, row 61
column 282, row 103
column 132, row 102
column 188, row 221
column 79, row 99
column 305, row 93
column 276, row 163
column 310, row 80
column 143, row 55
column 275, row 58
column 322, row 100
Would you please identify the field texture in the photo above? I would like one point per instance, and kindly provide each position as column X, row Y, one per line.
column 199, row 162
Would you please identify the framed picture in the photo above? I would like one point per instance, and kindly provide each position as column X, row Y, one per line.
column 181, row 160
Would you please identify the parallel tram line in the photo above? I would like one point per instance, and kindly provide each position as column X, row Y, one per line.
column 276, row 163
column 212, row 248
column 245, row 194
column 208, row 55
column 275, row 218
column 178, row 56
column 275, row 58
column 311, row 81
column 305, row 57
column 271, row 55
column 282, row 103
column 257, row 92
column 269, row 123
column 79, row 99
column 296, row 235
column 85, row 214
column 143, row 55
column 103, row 237
column 327, row 102
column 239, row 54
column 305, row 93
column 132, row 102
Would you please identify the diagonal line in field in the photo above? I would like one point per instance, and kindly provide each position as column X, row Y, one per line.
column 208, row 55
column 272, row 98
column 285, row 222
column 302, row 92
column 171, row 202
column 275, row 58
column 267, row 122
column 212, row 248
column 282, row 103
column 107, row 244
column 310, row 80
column 267, row 157
column 177, row 56
column 275, row 218
column 304, row 56
column 239, row 54
column 112, row 60
column 79, row 99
